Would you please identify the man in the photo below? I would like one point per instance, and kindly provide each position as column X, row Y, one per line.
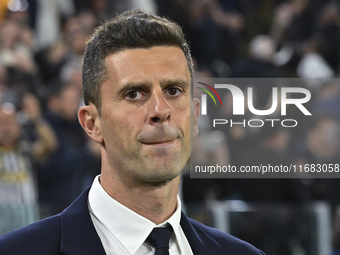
column 137, row 76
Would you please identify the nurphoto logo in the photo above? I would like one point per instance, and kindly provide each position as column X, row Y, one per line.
column 243, row 104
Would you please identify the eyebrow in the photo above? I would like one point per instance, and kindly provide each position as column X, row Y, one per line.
column 146, row 85
column 177, row 82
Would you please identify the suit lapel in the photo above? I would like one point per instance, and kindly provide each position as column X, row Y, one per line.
column 78, row 235
column 200, row 242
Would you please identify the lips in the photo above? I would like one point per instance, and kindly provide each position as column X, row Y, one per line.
column 158, row 136
column 158, row 142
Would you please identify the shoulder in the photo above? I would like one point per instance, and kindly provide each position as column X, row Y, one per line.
column 228, row 242
column 42, row 237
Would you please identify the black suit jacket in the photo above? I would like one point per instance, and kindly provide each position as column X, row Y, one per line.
column 72, row 232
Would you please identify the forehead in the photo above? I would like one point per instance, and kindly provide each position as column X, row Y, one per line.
column 159, row 62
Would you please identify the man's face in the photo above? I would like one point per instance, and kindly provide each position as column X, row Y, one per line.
column 145, row 114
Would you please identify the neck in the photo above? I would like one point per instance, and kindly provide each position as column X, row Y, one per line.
column 154, row 201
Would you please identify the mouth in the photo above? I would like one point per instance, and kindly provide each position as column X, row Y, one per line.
column 159, row 138
column 165, row 142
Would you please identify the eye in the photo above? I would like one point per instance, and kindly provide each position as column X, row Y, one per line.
column 173, row 91
column 133, row 94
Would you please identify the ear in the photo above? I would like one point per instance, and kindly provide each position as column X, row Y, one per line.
column 88, row 117
column 196, row 112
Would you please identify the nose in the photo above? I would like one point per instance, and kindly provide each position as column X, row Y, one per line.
column 159, row 109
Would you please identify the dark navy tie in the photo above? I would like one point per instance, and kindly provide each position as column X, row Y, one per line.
column 159, row 238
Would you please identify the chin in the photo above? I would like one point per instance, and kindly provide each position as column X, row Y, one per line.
column 162, row 178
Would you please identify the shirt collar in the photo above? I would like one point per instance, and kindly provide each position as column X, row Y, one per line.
column 130, row 228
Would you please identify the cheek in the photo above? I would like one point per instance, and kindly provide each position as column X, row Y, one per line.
column 118, row 128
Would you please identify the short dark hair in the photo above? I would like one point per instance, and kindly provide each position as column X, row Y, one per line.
column 129, row 30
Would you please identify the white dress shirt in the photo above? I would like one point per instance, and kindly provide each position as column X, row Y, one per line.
column 123, row 232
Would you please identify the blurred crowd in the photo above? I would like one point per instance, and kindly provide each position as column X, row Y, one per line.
column 45, row 158
column 268, row 39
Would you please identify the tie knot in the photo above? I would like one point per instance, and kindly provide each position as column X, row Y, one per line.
column 159, row 237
